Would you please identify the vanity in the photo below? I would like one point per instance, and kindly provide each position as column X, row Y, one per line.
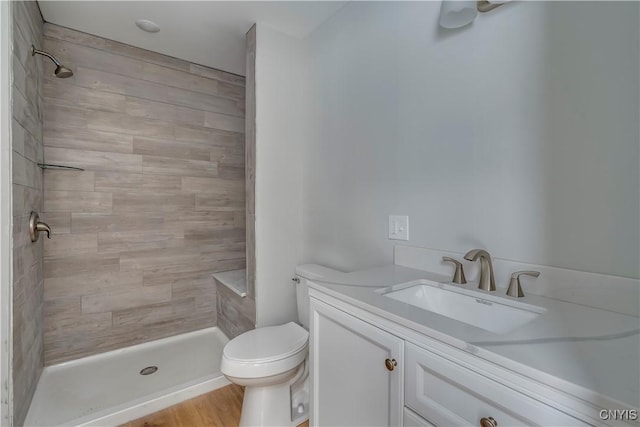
column 402, row 346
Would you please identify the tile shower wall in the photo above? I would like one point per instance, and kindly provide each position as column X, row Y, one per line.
column 250, row 161
column 27, row 197
column 235, row 314
column 160, row 205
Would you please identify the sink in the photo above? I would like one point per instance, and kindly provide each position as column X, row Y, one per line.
column 491, row 313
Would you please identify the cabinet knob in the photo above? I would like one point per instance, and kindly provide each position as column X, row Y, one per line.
column 488, row 422
column 390, row 364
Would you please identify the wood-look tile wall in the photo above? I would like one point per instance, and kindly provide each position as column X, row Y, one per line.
column 160, row 205
column 250, row 161
column 235, row 314
column 27, row 197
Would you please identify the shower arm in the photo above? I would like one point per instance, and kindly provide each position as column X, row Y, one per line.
column 48, row 55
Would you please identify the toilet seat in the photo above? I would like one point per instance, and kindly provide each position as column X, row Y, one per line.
column 265, row 352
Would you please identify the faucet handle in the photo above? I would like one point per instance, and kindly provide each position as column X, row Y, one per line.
column 515, row 290
column 458, row 276
column 36, row 226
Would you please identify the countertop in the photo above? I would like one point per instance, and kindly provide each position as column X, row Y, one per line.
column 590, row 353
column 235, row 280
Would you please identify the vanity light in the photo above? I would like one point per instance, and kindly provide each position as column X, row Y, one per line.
column 487, row 5
column 458, row 13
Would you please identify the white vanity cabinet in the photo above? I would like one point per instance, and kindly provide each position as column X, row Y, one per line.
column 364, row 375
column 357, row 371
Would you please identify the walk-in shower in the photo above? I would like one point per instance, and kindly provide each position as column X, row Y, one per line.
column 121, row 385
column 60, row 71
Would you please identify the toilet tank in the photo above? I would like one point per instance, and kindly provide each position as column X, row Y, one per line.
column 306, row 272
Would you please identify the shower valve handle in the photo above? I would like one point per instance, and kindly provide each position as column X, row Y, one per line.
column 36, row 226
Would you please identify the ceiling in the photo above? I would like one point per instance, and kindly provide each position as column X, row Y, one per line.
column 210, row 33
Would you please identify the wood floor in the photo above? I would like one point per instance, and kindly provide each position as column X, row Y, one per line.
column 217, row 408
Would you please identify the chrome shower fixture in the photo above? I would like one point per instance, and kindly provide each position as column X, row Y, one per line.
column 60, row 71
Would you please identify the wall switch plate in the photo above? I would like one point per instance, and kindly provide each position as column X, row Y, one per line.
column 398, row 227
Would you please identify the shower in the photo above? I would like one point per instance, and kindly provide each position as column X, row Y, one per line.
column 60, row 71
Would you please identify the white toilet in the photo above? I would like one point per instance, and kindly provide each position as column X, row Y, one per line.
column 270, row 363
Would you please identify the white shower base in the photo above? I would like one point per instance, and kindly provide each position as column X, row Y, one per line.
column 107, row 389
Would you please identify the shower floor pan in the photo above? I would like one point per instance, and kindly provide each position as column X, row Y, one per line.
column 110, row 389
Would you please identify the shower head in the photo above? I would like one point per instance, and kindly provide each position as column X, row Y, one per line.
column 60, row 71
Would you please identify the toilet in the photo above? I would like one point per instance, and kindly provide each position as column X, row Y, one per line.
column 271, row 363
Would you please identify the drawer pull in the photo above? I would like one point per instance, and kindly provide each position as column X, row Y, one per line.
column 488, row 422
column 390, row 364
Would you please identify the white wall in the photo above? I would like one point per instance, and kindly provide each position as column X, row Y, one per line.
column 518, row 134
column 279, row 122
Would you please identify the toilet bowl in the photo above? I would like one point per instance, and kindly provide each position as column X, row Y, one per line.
column 266, row 361
column 270, row 362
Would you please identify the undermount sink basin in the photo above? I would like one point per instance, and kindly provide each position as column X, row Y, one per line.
column 491, row 313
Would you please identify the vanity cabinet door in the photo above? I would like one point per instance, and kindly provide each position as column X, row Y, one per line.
column 356, row 371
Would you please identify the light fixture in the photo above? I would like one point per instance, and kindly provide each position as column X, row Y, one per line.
column 457, row 13
column 487, row 5
column 148, row 26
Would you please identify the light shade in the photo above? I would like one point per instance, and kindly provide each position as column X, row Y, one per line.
column 456, row 14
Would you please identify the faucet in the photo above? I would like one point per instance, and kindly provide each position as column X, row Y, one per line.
column 458, row 275
column 515, row 289
column 486, row 281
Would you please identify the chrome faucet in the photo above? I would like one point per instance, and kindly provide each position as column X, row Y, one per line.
column 486, row 282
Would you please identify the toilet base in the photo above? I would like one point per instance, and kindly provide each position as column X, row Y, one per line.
column 268, row 405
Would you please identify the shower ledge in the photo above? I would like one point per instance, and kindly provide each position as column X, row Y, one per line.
column 236, row 280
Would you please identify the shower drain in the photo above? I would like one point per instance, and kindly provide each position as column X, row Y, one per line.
column 148, row 370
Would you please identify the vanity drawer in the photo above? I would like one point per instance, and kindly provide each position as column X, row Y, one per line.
column 446, row 394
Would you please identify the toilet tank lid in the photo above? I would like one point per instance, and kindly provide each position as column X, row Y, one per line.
column 314, row 271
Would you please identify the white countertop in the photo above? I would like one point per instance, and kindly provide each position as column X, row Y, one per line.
column 587, row 352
